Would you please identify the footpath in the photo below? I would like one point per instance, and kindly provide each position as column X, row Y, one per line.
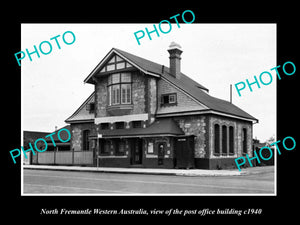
column 157, row 171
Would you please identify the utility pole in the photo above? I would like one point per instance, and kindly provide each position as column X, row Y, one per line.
column 230, row 93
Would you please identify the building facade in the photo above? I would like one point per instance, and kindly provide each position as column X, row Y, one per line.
column 143, row 114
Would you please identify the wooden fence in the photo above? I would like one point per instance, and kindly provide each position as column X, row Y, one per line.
column 63, row 158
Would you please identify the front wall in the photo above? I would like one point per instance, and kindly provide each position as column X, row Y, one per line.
column 149, row 158
column 143, row 95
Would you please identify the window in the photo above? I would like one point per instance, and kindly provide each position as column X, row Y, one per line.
column 150, row 147
column 120, row 147
column 244, row 137
column 126, row 93
column 120, row 65
column 169, row 99
column 115, row 63
column 119, row 89
column 115, row 94
column 110, row 67
column 217, row 139
column 90, row 107
column 104, row 126
column 85, row 143
column 104, row 146
column 136, row 124
column 120, row 125
column 231, row 140
column 224, row 140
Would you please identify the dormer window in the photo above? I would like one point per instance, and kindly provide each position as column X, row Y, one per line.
column 169, row 99
column 119, row 89
column 90, row 107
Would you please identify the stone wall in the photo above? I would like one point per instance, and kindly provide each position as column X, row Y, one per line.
column 238, row 126
column 76, row 134
column 101, row 100
column 152, row 96
column 143, row 91
column 138, row 93
column 195, row 125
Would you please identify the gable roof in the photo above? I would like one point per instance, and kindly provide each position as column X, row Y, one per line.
column 81, row 114
column 197, row 91
column 33, row 135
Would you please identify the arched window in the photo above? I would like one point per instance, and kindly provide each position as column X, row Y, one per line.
column 217, row 139
column 231, row 140
column 244, row 140
column 224, row 140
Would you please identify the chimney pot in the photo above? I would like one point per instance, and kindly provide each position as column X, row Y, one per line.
column 175, row 52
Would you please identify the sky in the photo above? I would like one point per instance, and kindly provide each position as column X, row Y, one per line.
column 214, row 55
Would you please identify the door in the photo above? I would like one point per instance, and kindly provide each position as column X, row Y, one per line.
column 161, row 153
column 184, row 149
column 136, row 151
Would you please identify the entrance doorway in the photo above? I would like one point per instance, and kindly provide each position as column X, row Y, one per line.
column 184, row 151
column 136, row 151
column 161, row 153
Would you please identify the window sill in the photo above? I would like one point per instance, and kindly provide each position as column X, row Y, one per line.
column 168, row 104
column 119, row 110
column 120, row 106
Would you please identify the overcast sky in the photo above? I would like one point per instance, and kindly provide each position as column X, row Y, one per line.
column 214, row 55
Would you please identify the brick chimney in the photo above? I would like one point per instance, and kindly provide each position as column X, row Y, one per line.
column 175, row 52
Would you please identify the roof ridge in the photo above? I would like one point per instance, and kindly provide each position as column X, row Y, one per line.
column 80, row 107
column 184, row 83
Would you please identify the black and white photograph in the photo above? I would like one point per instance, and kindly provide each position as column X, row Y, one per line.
column 139, row 112
column 160, row 118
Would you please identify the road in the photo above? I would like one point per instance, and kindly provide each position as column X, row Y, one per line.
column 70, row 182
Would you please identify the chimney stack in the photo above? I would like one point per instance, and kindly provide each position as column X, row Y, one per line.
column 175, row 52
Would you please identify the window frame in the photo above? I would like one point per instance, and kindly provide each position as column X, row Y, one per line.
column 217, row 146
column 224, row 148
column 137, row 124
column 85, row 140
column 113, row 64
column 105, row 146
column 168, row 95
column 105, row 126
column 115, row 89
column 120, row 125
column 244, row 141
column 117, row 144
column 231, row 140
